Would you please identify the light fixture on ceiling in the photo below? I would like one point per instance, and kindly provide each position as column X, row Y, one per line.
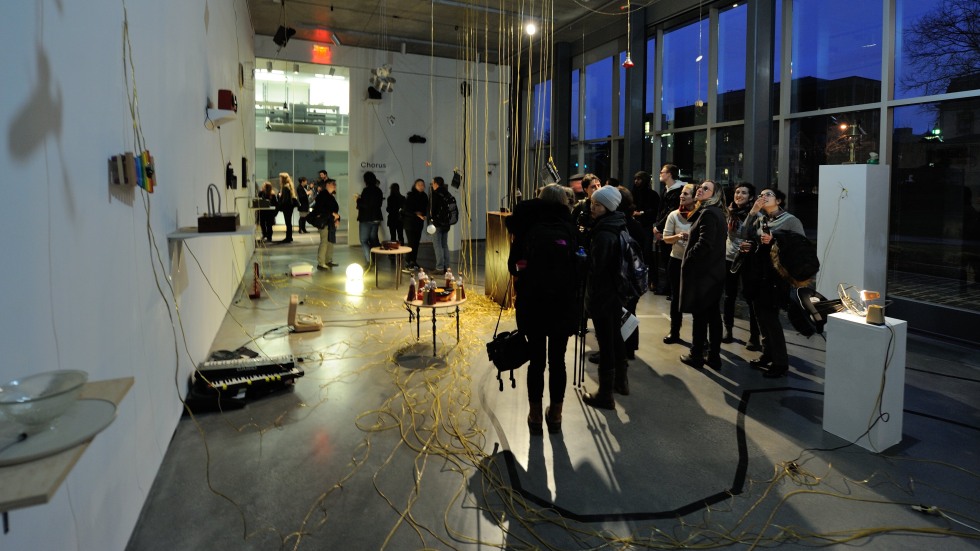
column 531, row 29
column 295, row 68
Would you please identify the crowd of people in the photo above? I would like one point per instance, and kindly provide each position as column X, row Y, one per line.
column 704, row 252
column 407, row 215
column 567, row 261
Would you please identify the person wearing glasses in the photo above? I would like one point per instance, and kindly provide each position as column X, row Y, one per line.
column 703, row 275
column 762, row 284
column 671, row 199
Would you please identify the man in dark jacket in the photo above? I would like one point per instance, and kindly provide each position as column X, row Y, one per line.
column 303, row 196
column 603, row 299
column 670, row 202
column 703, row 275
column 440, row 218
column 369, row 217
column 646, row 211
column 413, row 220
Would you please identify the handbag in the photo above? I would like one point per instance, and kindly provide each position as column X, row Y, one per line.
column 317, row 219
column 508, row 351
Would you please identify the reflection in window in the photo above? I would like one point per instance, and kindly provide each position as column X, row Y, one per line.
column 687, row 150
column 685, row 75
column 598, row 157
column 649, row 101
column 598, row 99
column 731, row 63
column 935, row 238
column 541, row 114
column 836, row 53
column 825, row 140
column 729, row 166
column 936, row 47
column 574, row 115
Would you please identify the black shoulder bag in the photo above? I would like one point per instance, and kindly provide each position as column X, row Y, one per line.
column 508, row 350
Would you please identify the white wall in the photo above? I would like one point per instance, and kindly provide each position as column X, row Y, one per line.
column 81, row 274
column 426, row 101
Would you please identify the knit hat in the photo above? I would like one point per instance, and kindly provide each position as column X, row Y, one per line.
column 608, row 196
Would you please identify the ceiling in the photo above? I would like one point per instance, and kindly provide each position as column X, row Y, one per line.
column 445, row 28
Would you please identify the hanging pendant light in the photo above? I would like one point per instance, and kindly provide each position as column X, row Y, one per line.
column 628, row 64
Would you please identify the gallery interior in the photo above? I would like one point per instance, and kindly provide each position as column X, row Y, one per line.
column 137, row 135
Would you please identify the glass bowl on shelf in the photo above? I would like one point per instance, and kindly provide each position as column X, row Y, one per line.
column 35, row 401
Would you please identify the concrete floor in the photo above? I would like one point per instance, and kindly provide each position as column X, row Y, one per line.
column 382, row 445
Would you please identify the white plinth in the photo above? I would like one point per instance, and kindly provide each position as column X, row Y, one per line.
column 852, row 227
column 857, row 353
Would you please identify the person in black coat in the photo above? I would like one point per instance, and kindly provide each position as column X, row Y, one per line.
column 413, row 220
column 636, row 231
column 671, row 200
column 303, row 196
column 603, row 299
column 369, row 214
column 267, row 216
column 646, row 210
column 394, row 205
column 546, row 284
column 703, row 275
column 287, row 203
column 326, row 203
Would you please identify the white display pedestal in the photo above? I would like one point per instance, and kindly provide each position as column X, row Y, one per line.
column 852, row 227
column 857, row 353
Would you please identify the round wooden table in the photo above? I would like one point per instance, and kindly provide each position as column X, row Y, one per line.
column 399, row 253
column 418, row 305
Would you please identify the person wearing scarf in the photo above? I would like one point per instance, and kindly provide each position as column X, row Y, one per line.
column 703, row 275
column 676, row 231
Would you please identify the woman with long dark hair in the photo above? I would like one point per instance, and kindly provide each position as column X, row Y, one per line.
column 764, row 288
column 703, row 275
column 737, row 211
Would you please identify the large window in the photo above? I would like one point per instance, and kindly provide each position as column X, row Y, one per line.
column 936, row 46
column 935, row 203
column 731, row 64
column 836, row 53
column 541, row 114
column 685, row 76
column 598, row 99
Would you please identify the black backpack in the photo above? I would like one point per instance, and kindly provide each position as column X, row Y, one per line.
column 634, row 274
column 448, row 214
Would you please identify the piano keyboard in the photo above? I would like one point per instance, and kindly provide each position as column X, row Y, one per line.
column 237, row 365
column 258, row 378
